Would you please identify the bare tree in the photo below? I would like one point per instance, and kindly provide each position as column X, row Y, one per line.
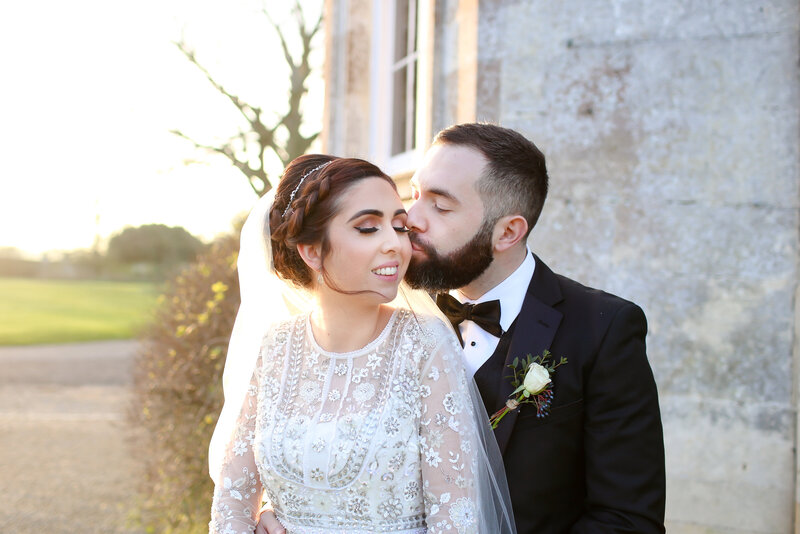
column 265, row 136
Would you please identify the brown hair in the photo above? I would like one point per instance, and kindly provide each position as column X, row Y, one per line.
column 515, row 179
column 317, row 191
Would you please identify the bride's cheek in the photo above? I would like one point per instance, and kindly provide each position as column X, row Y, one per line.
column 405, row 251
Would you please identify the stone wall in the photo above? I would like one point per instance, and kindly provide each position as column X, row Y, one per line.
column 671, row 130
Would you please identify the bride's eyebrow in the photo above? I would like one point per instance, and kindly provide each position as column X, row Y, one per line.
column 377, row 213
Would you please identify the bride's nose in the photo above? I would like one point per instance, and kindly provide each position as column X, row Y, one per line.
column 391, row 241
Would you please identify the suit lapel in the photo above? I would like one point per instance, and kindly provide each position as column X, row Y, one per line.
column 536, row 326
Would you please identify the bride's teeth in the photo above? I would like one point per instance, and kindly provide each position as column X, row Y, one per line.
column 385, row 271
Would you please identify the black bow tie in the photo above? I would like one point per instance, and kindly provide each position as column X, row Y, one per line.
column 486, row 314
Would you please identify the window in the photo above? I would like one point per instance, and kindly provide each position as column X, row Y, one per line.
column 398, row 88
column 404, row 77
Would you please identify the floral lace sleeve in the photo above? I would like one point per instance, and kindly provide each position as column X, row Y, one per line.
column 447, row 441
column 238, row 495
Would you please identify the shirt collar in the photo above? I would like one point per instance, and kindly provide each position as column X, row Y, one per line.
column 510, row 292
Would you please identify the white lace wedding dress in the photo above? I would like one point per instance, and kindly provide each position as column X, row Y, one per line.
column 381, row 439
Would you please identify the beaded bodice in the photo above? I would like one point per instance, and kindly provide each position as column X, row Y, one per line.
column 374, row 440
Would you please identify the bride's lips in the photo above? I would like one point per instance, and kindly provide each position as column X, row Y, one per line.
column 387, row 271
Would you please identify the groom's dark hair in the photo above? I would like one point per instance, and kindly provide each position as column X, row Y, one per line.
column 515, row 178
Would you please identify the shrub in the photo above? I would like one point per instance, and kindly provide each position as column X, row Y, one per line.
column 178, row 391
column 154, row 243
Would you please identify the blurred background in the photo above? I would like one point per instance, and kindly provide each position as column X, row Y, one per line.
column 135, row 139
column 136, row 136
column 93, row 91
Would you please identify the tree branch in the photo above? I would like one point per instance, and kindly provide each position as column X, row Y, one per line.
column 294, row 143
column 228, row 151
column 287, row 56
column 242, row 106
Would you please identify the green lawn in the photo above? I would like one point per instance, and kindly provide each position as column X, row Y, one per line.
column 58, row 311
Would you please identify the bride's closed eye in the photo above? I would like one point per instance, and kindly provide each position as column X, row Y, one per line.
column 372, row 229
column 370, row 221
column 399, row 223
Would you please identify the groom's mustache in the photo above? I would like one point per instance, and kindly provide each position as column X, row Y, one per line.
column 420, row 244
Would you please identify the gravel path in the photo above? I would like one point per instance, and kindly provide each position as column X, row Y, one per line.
column 64, row 451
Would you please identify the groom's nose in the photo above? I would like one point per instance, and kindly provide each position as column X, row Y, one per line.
column 415, row 220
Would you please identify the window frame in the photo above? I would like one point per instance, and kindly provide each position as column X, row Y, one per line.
column 382, row 71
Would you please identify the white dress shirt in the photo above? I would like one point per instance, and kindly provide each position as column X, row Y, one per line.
column 479, row 345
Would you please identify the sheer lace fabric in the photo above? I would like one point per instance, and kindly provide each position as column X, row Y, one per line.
column 382, row 439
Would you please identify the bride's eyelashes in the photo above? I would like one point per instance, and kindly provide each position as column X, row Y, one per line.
column 372, row 229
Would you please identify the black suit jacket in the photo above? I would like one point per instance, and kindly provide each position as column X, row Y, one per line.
column 595, row 464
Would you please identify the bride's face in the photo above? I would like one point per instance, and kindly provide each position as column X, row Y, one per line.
column 369, row 246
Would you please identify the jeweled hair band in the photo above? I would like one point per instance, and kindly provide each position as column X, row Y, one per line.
column 303, row 179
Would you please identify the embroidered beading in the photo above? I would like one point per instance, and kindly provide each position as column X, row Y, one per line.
column 369, row 441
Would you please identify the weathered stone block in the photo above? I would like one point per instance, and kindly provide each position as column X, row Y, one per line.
column 727, row 472
column 580, row 24
column 718, row 295
column 721, row 117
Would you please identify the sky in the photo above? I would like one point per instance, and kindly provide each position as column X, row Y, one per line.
column 90, row 91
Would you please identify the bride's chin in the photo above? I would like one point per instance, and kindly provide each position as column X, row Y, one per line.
column 387, row 296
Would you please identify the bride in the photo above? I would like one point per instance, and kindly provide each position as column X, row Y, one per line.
column 358, row 416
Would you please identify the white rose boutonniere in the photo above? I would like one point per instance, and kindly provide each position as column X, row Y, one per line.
column 533, row 383
column 536, row 379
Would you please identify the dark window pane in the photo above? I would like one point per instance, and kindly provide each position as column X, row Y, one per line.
column 401, row 30
column 413, row 23
column 399, row 123
column 404, row 80
column 412, row 108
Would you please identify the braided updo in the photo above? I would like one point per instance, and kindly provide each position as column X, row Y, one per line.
column 306, row 200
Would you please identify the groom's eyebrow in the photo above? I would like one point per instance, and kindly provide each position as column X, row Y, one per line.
column 434, row 191
column 442, row 193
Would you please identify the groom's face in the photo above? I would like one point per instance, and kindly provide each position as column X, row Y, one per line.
column 451, row 244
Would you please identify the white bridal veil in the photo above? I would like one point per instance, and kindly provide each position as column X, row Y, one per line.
column 266, row 300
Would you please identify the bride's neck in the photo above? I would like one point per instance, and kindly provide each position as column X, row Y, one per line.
column 344, row 324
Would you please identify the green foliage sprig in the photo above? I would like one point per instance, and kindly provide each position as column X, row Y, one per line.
column 519, row 373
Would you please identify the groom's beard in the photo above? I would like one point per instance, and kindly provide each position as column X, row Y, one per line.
column 439, row 272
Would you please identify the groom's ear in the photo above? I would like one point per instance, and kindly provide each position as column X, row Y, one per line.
column 311, row 255
column 508, row 231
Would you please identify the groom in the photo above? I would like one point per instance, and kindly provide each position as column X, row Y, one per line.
column 595, row 462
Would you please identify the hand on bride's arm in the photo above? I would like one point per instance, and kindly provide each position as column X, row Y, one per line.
column 268, row 523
